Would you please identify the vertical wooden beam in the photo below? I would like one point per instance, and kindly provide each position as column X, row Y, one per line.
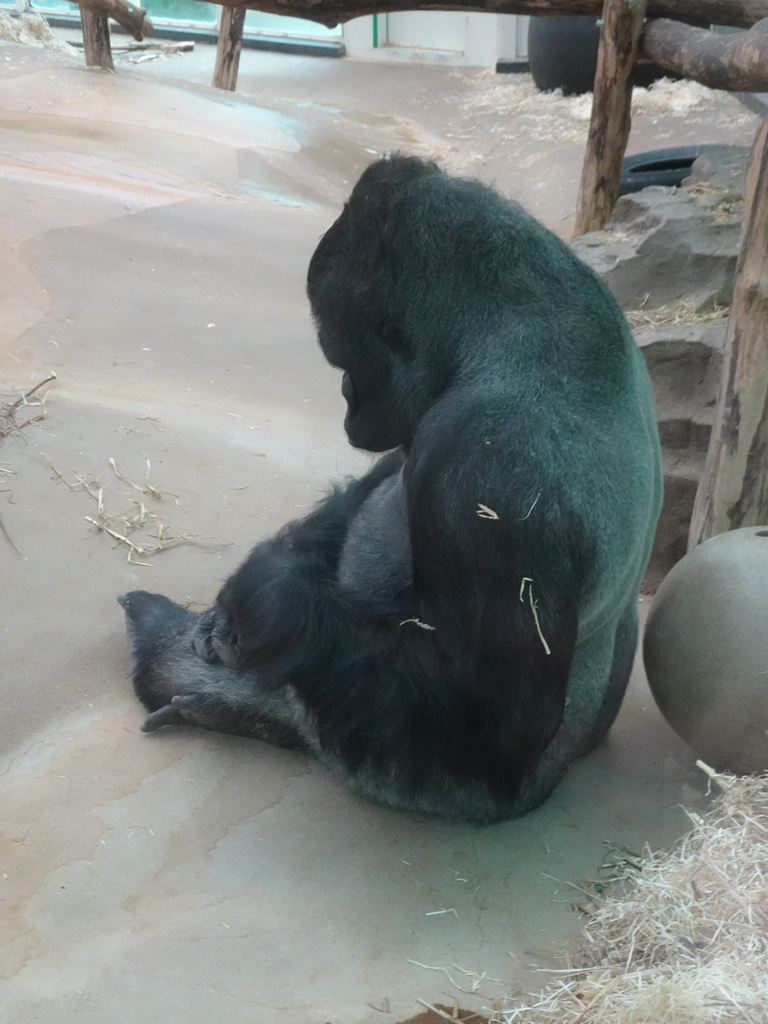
column 733, row 491
column 228, row 48
column 96, row 45
column 611, row 106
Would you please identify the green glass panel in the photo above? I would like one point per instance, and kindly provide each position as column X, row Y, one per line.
column 180, row 10
column 55, row 5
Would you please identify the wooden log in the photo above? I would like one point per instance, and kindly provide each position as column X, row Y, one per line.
column 739, row 13
column 228, row 48
column 133, row 19
column 184, row 46
column 733, row 491
column 735, row 62
column 98, row 52
column 611, row 109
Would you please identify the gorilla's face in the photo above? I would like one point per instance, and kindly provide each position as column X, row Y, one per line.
column 368, row 422
column 375, row 419
column 356, row 284
column 352, row 308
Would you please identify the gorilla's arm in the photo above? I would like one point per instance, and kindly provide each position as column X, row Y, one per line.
column 315, row 543
column 455, row 686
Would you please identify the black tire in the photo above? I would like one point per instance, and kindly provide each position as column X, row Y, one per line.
column 659, row 167
column 562, row 54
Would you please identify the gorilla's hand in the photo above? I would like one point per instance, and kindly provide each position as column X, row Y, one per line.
column 214, row 639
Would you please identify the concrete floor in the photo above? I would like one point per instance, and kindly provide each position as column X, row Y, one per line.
column 155, row 236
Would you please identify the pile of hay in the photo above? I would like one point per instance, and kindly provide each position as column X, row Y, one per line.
column 550, row 115
column 31, row 30
column 686, row 941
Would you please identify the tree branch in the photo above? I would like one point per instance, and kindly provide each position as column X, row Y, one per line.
column 133, row 19
column 738, row 63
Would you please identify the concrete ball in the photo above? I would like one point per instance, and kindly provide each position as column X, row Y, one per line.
column 706, row 650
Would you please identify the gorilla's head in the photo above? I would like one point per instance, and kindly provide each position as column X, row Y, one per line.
column 151, row 621
column 388, row 287
column 420, row 281
column 354, row 286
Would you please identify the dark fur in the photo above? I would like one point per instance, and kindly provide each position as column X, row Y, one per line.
column 446, row 661
column 179, row 688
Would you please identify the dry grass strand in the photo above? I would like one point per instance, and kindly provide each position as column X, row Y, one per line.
column 9, row 410
column 139, row 530
column 676, row 314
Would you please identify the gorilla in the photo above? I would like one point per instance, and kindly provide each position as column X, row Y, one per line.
column 450, row 631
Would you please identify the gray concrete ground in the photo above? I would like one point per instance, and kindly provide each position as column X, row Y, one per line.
column 155, row 236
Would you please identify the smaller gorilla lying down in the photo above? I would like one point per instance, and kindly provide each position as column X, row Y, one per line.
column 169, row 676
column 450, row 631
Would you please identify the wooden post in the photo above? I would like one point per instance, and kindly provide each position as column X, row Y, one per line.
column 733, row 491
column 98, row 52
column 228, row 48
column 611, row 106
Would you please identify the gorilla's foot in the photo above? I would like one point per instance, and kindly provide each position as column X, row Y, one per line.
column 167, row 715
column 204, row 709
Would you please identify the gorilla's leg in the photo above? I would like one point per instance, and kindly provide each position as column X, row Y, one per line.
column 600, row 672
column 624, row 650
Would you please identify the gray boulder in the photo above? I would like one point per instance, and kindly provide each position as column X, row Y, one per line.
column 663, row 245
column 676, row 249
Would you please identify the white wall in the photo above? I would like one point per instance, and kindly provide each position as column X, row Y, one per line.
column 512, row 33
column 439, row 37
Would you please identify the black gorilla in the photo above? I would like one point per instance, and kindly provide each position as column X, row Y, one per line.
column 451, row 630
